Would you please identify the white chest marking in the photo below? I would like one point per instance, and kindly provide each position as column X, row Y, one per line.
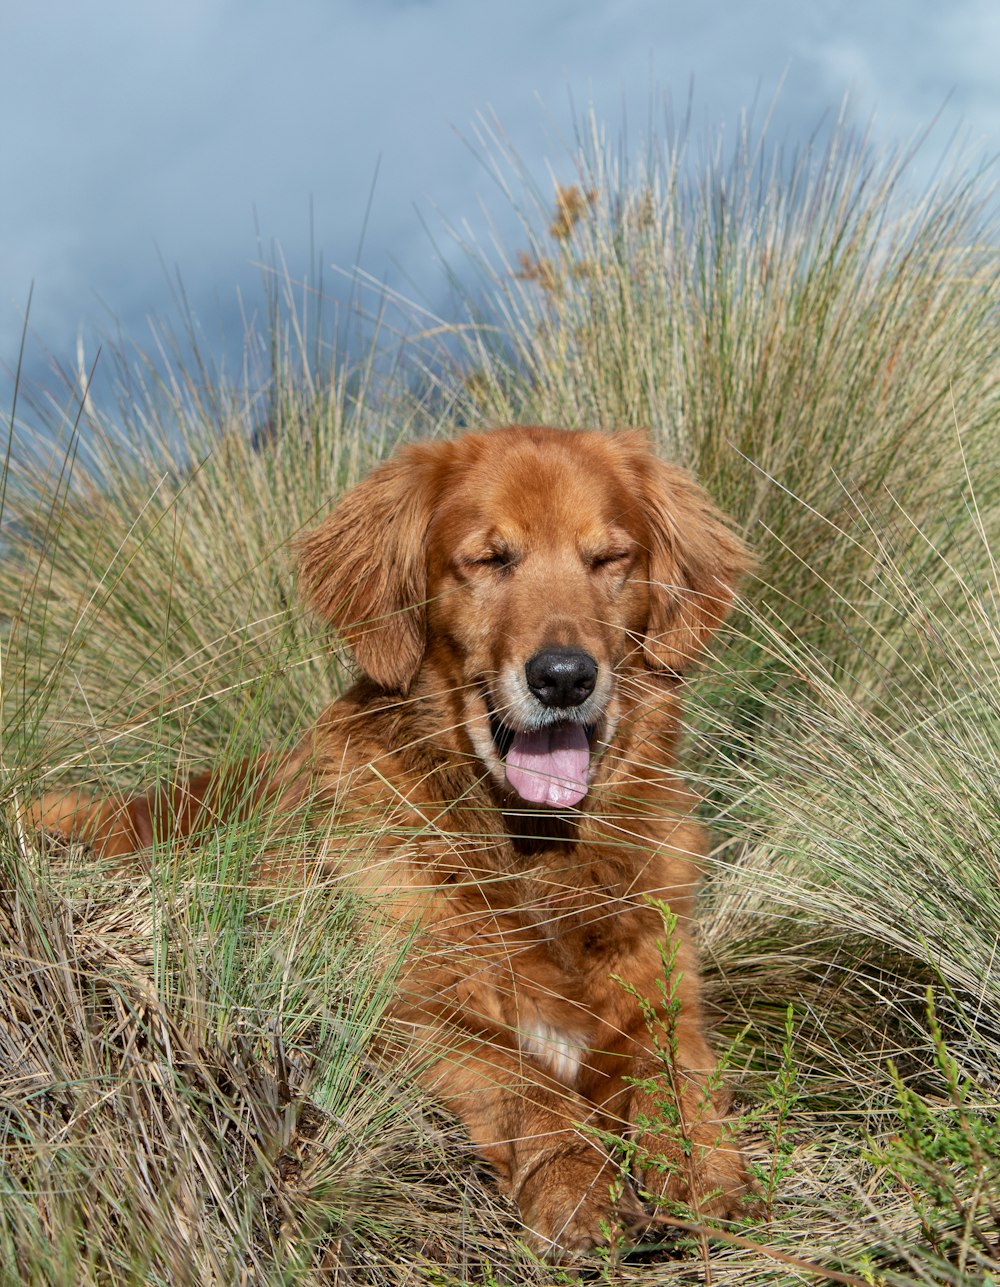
column 562, row 1051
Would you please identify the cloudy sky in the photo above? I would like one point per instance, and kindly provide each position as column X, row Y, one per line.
column 140, row 139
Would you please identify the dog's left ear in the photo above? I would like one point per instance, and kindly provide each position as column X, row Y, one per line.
column 696, row 563
column 364, row 569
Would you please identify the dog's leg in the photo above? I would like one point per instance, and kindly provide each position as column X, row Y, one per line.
column 687, row 1147
column 531, row 1129
column 662, row 1087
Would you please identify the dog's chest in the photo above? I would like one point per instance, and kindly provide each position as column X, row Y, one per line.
column 562, row 1050
column 563, row 993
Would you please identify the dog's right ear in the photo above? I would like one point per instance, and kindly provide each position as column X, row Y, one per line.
column 696, row 561
column 364, row 569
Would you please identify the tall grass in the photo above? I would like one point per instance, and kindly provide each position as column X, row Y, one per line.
column 149, row 590
column 817, row 345
column 187, row 1093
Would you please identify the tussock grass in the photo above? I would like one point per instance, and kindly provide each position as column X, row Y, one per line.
column 189, row 1095
column 186, row 1087
column 151, row 590
column 817, row 346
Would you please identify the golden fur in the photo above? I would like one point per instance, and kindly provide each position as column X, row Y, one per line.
column 528, row 595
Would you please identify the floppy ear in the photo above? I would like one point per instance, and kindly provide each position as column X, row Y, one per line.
column 364, row 569
column 695, row 565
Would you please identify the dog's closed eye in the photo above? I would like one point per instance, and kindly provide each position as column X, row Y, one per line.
column 503, row 558
column 609, row 558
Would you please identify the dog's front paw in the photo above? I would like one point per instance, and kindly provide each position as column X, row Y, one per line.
column 573, row 1202
column 706, row 1174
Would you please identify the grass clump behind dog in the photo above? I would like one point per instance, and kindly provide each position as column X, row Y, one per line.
column 187, row 1096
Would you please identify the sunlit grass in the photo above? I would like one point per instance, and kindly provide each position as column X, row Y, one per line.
column 188, row 1087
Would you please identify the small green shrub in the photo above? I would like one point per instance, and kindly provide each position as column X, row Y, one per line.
column 945, row 1154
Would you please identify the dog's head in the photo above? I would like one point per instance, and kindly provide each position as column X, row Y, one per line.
column 527, row 571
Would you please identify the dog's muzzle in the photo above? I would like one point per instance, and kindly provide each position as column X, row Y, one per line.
column 562, row 677
column 550, row 764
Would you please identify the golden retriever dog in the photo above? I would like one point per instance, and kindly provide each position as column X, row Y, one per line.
column 522, row 606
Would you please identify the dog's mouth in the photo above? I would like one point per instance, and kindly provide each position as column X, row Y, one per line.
column 547, row 765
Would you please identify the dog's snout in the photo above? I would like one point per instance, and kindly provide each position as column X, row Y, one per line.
column 561, row 676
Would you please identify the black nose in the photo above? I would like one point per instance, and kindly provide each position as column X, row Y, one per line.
column 561, row 676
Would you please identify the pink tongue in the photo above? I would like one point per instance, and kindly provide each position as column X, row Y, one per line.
column 550, row 766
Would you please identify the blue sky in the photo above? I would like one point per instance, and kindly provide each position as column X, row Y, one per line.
column 138, row 135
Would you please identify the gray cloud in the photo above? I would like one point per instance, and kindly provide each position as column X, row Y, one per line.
column 132, row 127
